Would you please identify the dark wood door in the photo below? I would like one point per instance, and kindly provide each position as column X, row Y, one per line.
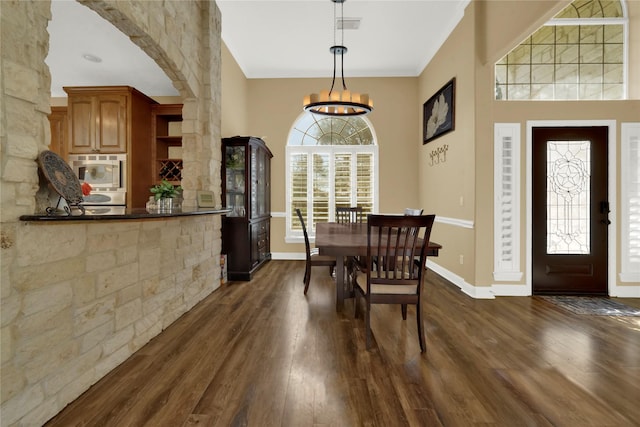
column 570, row 211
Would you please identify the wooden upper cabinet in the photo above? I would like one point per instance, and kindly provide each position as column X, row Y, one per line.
column 110, row 120
column 59, row 129
column 98, row 119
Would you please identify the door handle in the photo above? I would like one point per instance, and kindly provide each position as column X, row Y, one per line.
column 604, row 207
column 605, row 221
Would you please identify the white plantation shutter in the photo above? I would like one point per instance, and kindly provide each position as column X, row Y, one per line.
column 330, row 161
column 342, row 180
column 298, row 173
column 365, row 183
column 321, row 184
column 507, row 202
column 630, row 203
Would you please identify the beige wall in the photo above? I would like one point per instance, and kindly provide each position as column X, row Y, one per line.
column 459, row 190
column 235, row 96
column 275, row 105
column 448, row 189
column 77, row 299
column 478, row 41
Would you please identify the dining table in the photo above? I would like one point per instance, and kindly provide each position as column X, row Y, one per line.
column 346, row 241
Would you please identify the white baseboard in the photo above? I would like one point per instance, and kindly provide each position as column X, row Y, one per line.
column 510, row 290
column 467, row 288
column 625, row 292
column 478, row 292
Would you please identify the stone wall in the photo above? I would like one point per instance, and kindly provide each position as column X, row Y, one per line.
column 79, row 298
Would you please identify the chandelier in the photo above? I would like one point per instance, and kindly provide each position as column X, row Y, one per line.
column 335, row 102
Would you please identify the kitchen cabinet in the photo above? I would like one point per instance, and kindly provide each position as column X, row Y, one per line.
column 110, row 120
column 246, row 190
column 59, row 129
column 166, row 148
column 104, row 119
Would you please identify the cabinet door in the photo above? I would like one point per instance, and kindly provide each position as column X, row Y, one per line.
column 235, row 180
column 260, row 247
column 81, row 124
column 59, row 129
column 111, row 123
column 259, row 182
column 255, row 243
column 98, row 124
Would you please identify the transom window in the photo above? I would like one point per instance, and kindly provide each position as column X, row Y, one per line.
column 578, row 55
column 331, row 161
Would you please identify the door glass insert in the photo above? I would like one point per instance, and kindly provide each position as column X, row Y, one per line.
column 568, row 197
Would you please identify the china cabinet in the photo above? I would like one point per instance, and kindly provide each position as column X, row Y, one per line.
column 246, row 191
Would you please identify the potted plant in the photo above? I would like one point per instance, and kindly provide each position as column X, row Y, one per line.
column 164, row 193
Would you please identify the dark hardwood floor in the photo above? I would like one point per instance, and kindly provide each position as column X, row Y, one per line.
column 260, row 353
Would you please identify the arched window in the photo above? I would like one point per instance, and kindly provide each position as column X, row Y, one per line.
column 578, row 55
column 330, row 161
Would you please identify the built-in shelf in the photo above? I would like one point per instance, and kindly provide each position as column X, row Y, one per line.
column 167, row 143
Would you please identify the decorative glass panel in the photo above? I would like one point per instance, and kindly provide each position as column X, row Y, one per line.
column 568, row 197
column 562, row 53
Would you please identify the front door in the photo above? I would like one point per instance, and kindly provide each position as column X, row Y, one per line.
column 570, row 210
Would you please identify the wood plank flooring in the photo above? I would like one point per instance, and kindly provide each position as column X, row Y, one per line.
column 260, row 353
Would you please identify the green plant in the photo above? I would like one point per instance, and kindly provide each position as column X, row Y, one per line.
column 165, row 190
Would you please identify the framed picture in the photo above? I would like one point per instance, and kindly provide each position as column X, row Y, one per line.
column 439, row 112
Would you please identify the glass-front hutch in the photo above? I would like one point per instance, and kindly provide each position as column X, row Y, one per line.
column 246, row 191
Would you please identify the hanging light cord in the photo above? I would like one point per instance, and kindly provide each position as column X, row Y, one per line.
column 342, row 50
column 338, row 50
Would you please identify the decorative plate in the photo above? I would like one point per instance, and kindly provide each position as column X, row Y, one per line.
column 60, row 176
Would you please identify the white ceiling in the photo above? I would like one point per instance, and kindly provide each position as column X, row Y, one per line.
column 268, row 39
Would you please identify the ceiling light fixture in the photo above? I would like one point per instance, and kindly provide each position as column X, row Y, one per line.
column 338, row 103
column 91, row 58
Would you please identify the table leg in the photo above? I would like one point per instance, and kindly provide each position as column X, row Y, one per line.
column 339, row 283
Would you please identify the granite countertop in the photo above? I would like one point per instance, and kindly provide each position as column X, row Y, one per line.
column 130, row 213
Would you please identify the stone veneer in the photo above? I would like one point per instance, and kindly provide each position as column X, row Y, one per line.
column 79, row 298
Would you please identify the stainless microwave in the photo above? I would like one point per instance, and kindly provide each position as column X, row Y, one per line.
column 103, row 172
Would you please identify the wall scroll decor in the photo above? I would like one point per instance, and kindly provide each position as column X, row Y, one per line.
column 439, row 112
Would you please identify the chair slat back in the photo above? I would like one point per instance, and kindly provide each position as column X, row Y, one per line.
column 396, row 241
column 349, row 214
column 304, row 231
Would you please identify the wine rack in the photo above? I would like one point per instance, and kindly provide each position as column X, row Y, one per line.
column 170, row 169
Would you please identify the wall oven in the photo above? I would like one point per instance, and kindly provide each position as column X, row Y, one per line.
column 106, row 174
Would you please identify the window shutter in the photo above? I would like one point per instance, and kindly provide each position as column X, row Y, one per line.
column 630, row 203
column 365, row 181
column 507, row 202
column 299, row 188
column 342, row 179
column 321, row 190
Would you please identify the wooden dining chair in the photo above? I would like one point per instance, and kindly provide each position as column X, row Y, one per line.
column 350, row 214
column 396, row 240
column 314, row 259
column 413, row 212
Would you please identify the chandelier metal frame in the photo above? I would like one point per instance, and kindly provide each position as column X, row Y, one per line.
column 334, row 102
